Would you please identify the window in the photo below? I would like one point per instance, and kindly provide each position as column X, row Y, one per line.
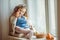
column 43, row 15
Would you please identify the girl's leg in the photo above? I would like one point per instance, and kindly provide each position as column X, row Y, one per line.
column 28, row 33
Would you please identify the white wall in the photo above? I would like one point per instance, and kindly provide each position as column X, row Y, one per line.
column 0, row 24
column 4, row 18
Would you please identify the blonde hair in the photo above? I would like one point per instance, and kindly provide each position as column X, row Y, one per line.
column 18, row 7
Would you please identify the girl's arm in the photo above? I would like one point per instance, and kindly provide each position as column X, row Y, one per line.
column 29, row 23
column 13, row 22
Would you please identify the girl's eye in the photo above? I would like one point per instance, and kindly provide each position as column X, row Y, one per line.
column 22, row 11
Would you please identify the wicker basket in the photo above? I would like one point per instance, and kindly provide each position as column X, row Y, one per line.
column 40, row 35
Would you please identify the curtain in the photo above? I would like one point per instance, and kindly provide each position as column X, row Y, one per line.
column 36, row 10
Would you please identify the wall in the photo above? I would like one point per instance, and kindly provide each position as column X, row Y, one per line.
column 58, row 16
column 0, row 29
column 0, row 24
column 4, row 18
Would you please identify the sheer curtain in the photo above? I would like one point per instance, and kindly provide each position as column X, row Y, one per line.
column 36, row 10
column 42, row 14
column 52, row 7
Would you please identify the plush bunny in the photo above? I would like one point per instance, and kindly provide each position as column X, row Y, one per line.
column 49, row 37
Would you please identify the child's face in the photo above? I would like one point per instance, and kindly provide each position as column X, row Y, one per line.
column 21, row 12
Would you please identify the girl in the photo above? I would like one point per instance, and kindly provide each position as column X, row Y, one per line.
column 18, row 22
